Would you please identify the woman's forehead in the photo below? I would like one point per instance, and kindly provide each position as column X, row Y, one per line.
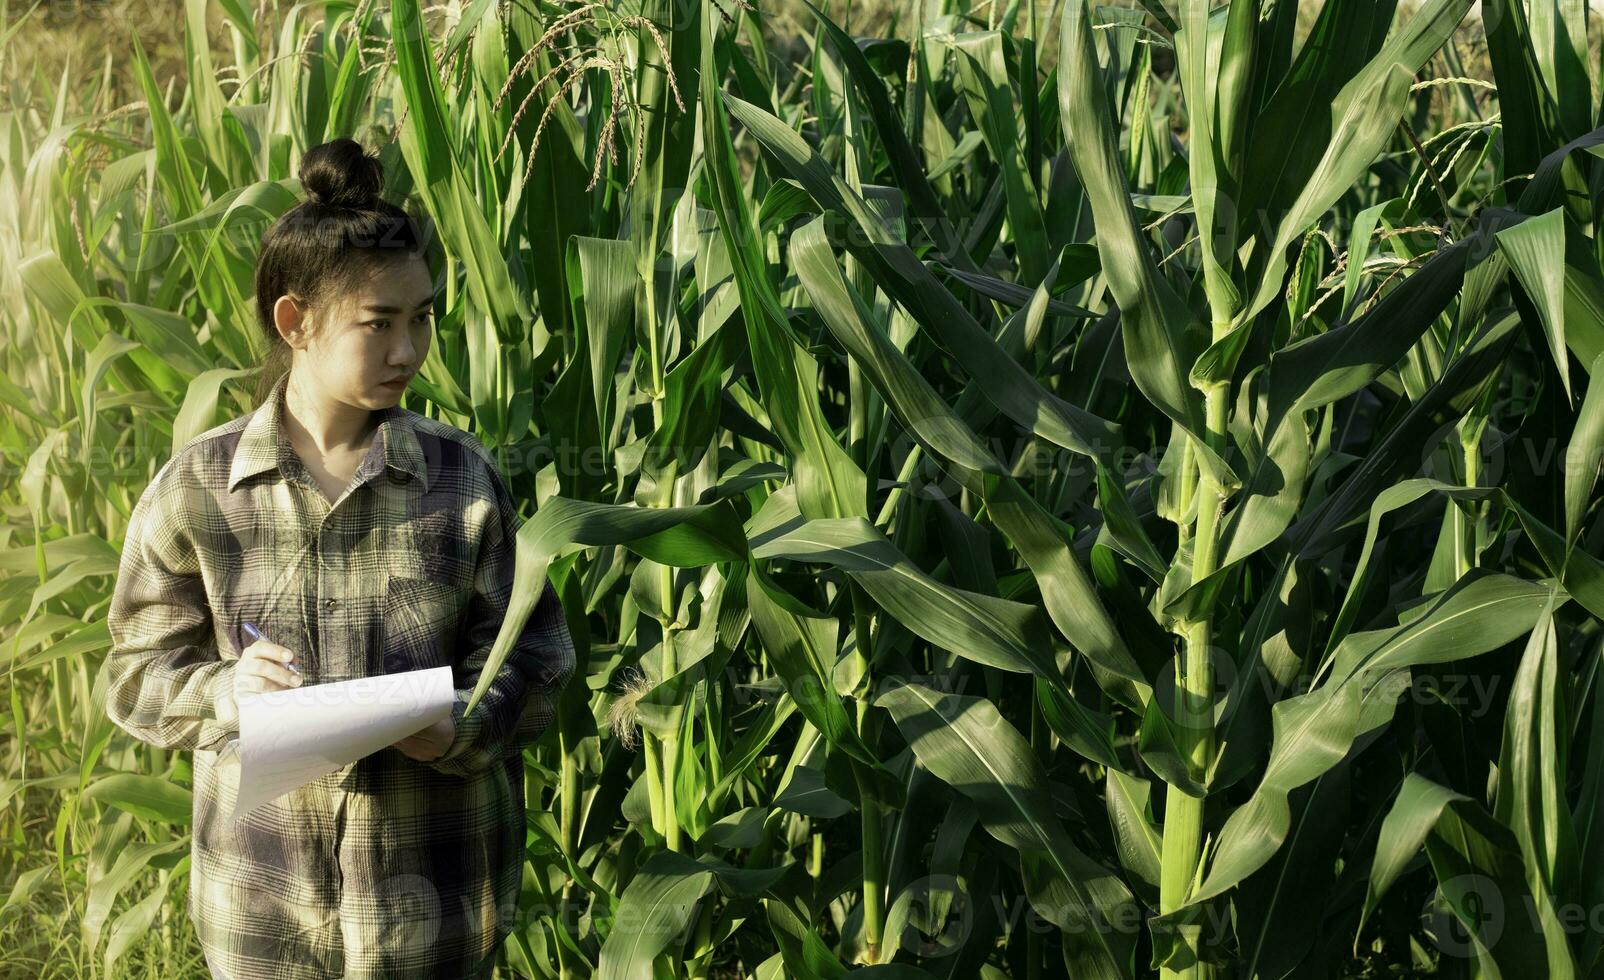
column 395, row 280
column 402, row 287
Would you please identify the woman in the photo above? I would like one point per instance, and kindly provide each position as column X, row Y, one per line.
column 358, row 538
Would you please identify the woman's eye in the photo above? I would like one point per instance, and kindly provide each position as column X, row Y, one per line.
column 378, row 324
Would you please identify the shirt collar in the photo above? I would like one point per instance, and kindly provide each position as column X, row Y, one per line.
column 263, row 444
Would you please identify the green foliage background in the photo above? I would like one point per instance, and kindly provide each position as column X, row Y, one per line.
column 1038, row 489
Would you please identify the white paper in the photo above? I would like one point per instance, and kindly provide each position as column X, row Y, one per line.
column 289, row 738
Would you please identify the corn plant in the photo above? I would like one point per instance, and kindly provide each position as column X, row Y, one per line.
column 1058, row 489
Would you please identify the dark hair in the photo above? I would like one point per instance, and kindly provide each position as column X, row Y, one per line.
column 327, row 243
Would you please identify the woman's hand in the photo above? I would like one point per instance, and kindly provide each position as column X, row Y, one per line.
column 430, row 743
column 262, row 666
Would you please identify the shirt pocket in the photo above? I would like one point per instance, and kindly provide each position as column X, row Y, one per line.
column 420, row 623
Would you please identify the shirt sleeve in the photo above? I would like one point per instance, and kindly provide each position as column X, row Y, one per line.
column 521, row 701
column 164, row 678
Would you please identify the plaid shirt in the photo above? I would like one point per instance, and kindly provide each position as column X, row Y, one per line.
column 389, row 867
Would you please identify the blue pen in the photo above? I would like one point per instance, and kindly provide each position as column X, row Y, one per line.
column 256, row 634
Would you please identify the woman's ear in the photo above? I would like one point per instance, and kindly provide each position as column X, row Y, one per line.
column 291, row 319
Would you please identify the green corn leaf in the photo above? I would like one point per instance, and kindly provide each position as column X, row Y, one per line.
column 1161, row 341
column 972, row 748
column 1314, row 731
column 1535, row 249
column 654, row 908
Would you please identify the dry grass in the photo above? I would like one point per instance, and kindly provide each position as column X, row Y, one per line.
column 88, row 39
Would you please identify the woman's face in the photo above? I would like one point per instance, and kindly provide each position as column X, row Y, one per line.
column 375, row 334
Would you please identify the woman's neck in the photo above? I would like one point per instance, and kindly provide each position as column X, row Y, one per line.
column 330, row 426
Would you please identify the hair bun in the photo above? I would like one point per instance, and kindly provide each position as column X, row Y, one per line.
column 342, row 174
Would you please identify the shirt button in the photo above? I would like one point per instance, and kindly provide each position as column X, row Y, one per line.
column 330, row 603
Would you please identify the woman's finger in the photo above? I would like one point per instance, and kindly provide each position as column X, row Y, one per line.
column 268, row 650
column 275, row 672
column 277, row 675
